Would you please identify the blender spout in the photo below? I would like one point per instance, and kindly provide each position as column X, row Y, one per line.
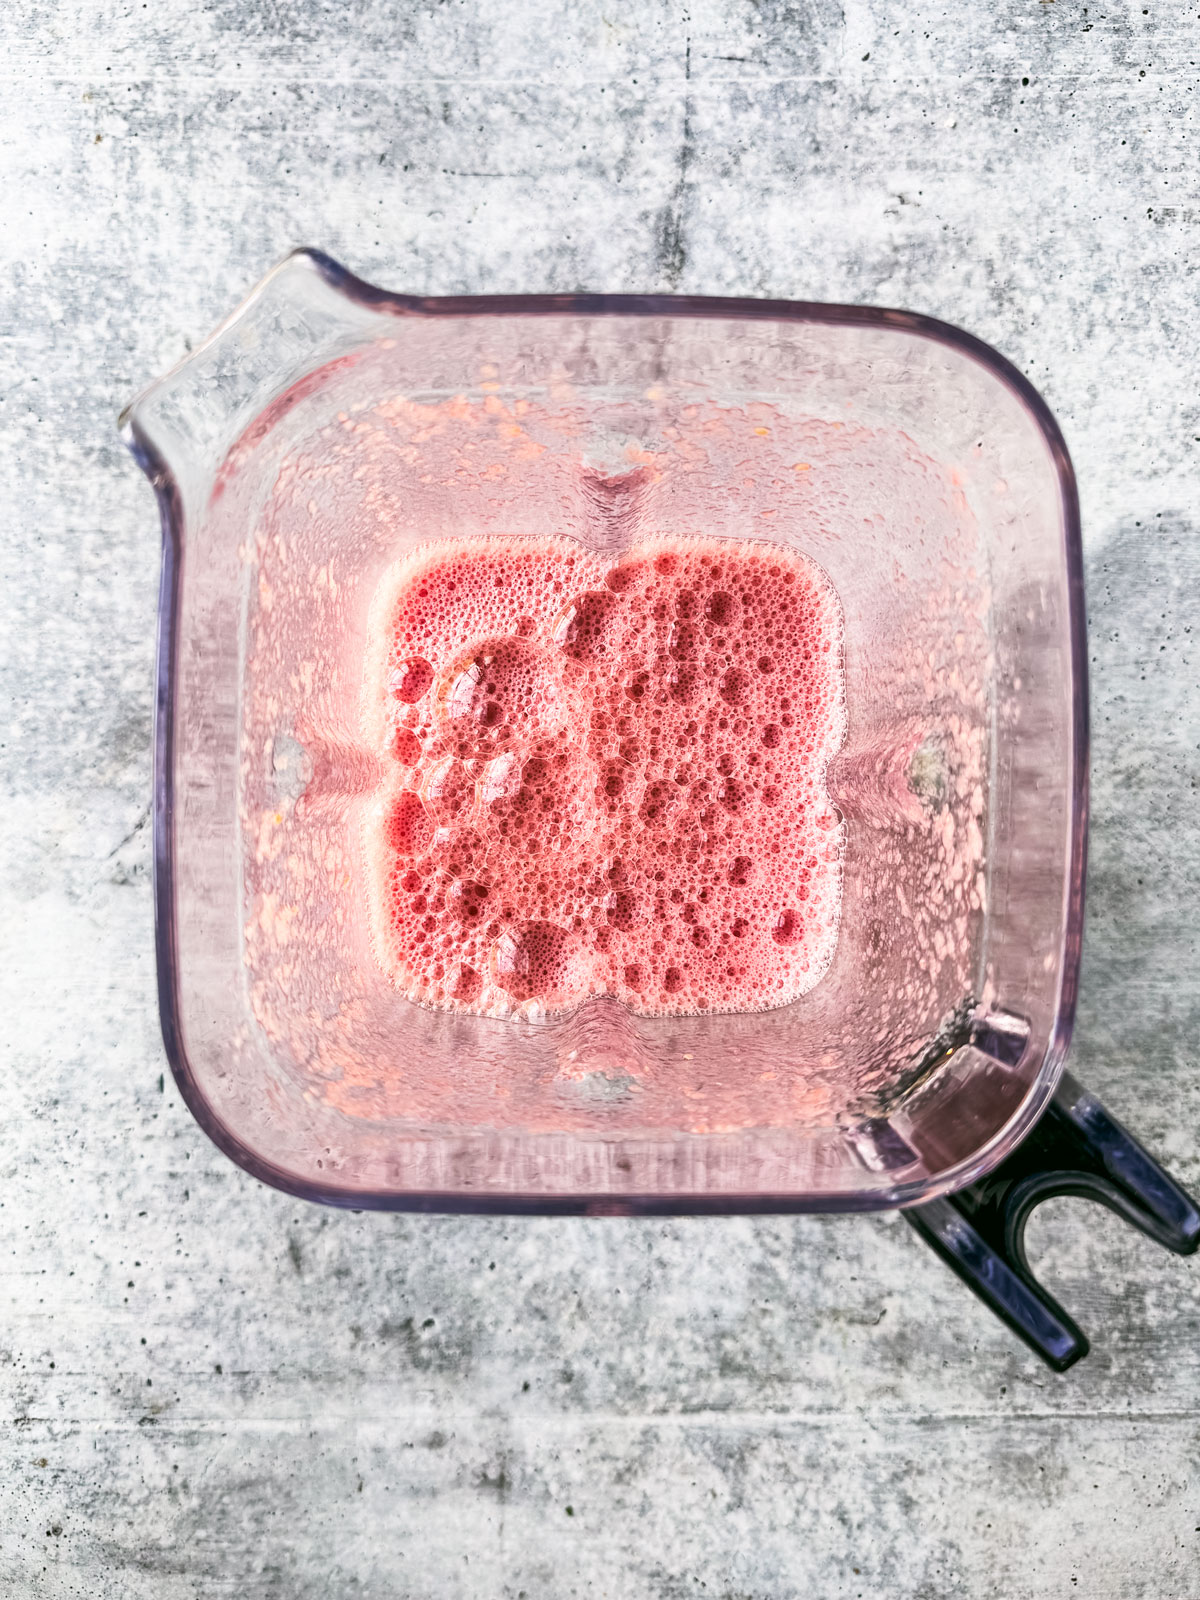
column 181, row 429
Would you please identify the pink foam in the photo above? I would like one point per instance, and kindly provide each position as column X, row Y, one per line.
column 607, row 777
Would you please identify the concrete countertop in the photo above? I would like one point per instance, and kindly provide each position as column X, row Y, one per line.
column 211, row 1389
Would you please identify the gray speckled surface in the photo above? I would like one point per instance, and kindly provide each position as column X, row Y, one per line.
column 209, row 1389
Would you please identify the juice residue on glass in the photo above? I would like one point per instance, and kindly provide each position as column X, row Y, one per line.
column 605, row 775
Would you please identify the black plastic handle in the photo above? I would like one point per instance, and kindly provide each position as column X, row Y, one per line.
column 1076, row 1148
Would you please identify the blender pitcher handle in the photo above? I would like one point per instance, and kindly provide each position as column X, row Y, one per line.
column 1076, row 1148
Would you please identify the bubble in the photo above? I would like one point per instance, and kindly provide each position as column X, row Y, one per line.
column 741, row 870
column 531, row 960
column 463, row 982
column 406, row 747
column 510, row 964
column 624, row 576
column 408, row 829
column 465, row 899
column 508, row 688
column 787, row 928
column 500, row 779
column 682, row 641
column 772, row 734
column 621, row 908
column 734, row 684
column 447, row 790
column 584, row 627
column 719, row 607
column 410, row 680
column 658, row 799
column 683, row 684
column 614, row 776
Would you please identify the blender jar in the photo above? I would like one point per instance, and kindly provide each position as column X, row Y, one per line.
column 329, row 427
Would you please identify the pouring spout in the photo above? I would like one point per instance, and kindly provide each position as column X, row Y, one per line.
column 181, row 428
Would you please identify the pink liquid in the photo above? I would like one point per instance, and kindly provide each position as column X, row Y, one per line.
column 607, row 776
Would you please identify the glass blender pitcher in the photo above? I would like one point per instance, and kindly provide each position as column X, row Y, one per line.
column 328, row 428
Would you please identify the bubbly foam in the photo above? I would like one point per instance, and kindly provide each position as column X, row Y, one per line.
column 607, row 777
